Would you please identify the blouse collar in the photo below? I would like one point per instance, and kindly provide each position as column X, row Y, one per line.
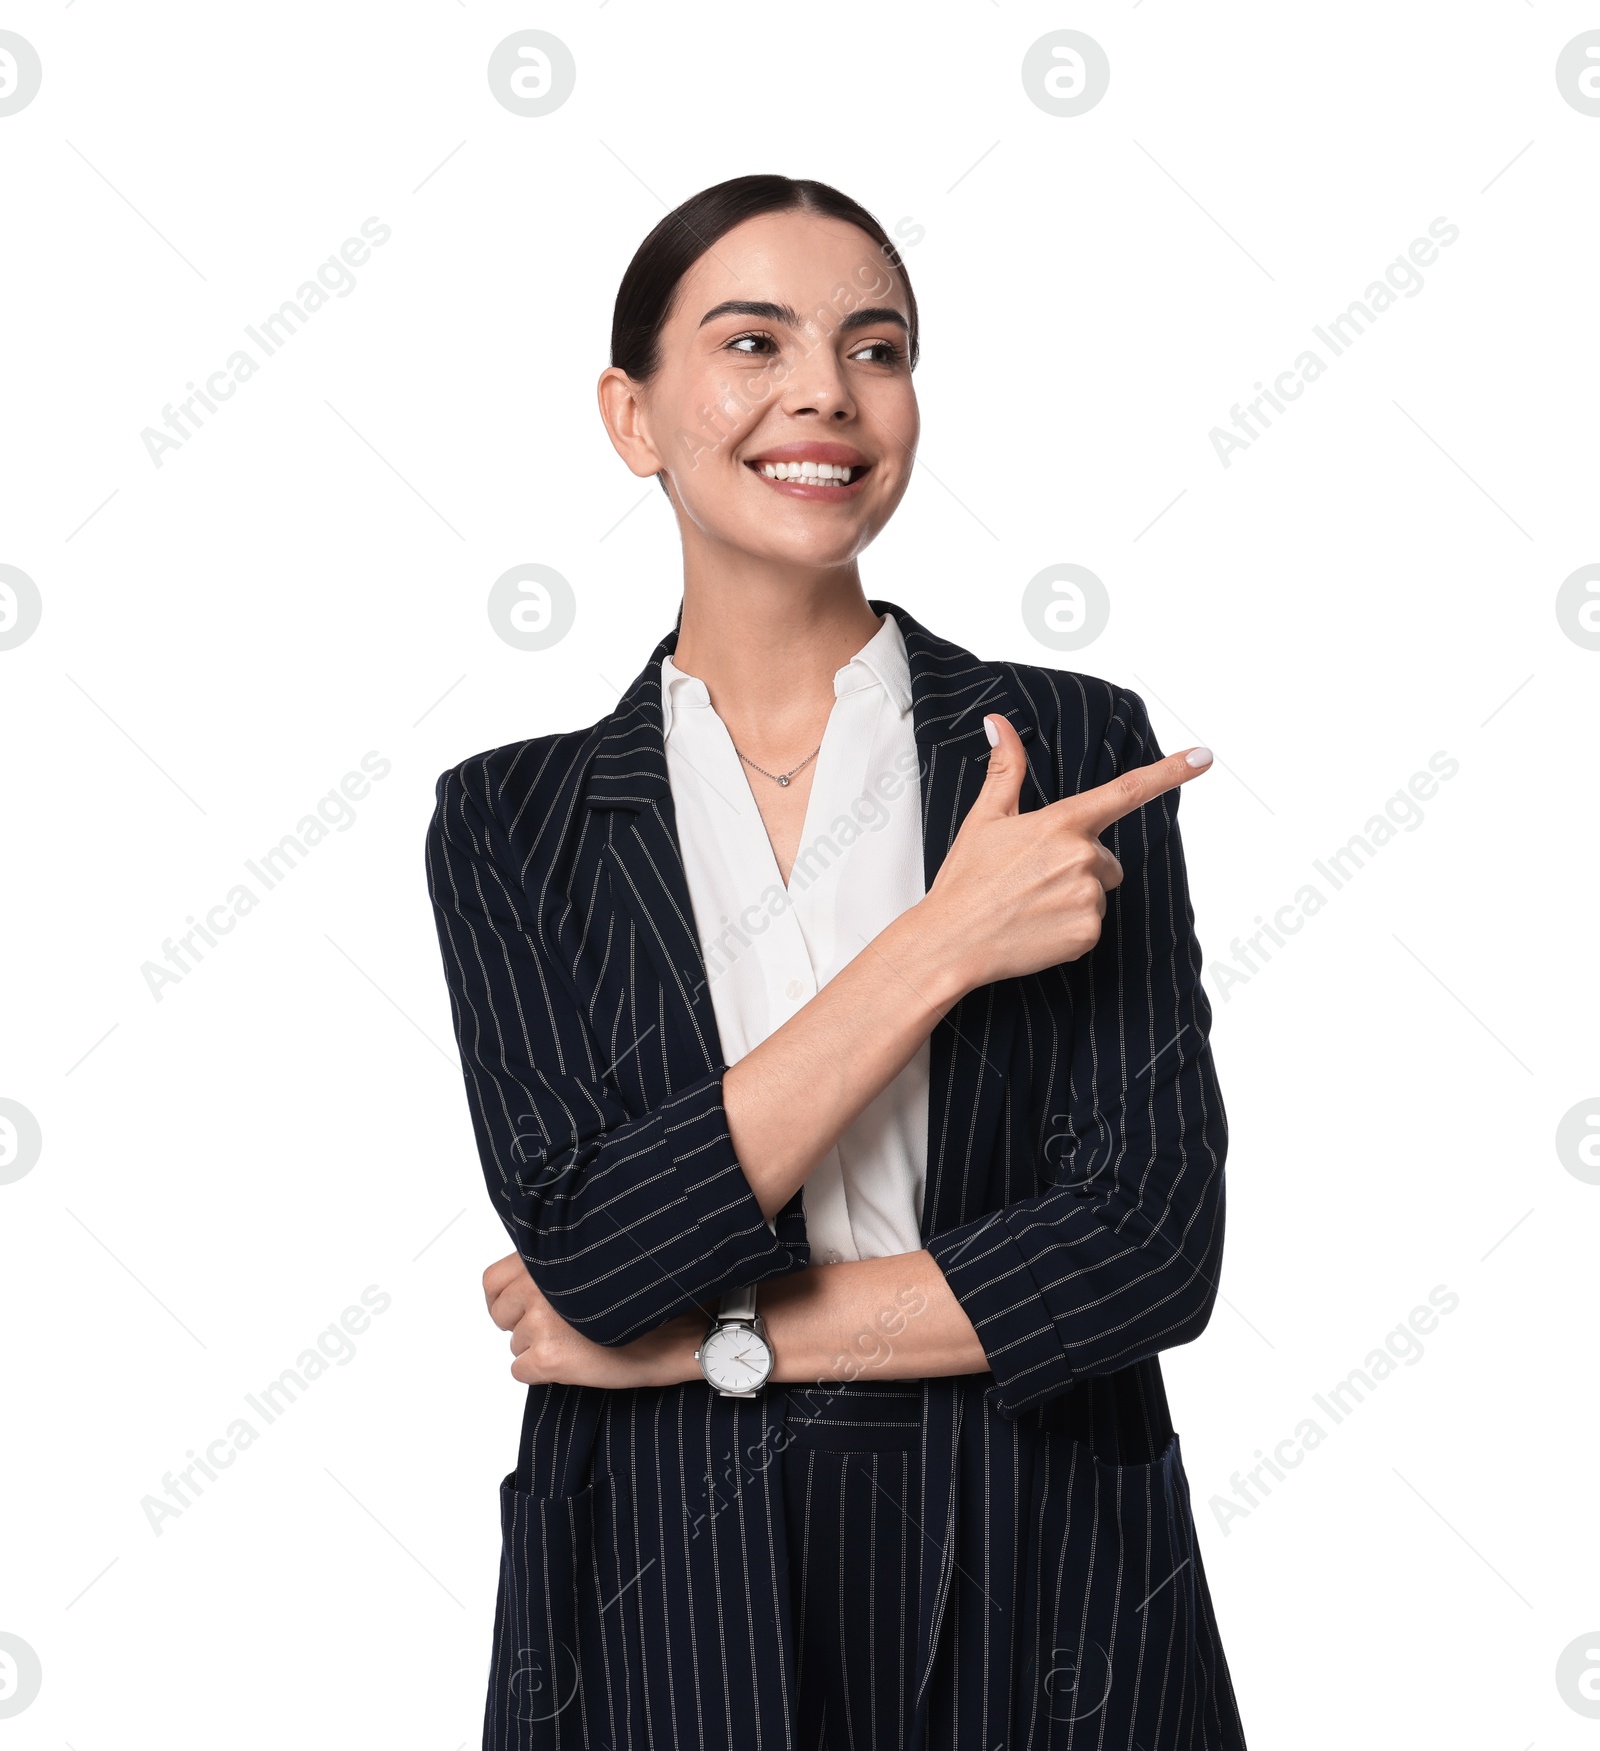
column 881, row 662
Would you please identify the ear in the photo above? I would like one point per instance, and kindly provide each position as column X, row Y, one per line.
column 621, row 407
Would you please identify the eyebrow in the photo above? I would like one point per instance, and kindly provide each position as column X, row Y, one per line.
column 785, row 313
column 871, row 316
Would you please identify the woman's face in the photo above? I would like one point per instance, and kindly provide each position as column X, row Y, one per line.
column 781, row 411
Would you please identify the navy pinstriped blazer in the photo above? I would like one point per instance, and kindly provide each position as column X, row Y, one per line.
column 1074, row 1202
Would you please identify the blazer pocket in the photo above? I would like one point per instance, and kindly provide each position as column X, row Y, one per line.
column 564, row 1674
column 1109, row 1607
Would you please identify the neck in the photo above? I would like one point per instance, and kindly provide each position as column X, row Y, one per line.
column 766, row 640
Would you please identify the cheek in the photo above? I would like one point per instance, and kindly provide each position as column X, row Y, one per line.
column 739, row 388
column 711, row 416
column 907, row 418
column 893, row 413
column 741, row 402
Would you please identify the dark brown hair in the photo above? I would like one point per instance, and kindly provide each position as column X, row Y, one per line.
column 644, row 299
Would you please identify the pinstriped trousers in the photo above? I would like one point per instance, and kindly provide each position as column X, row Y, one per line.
column 851, row 1481
column 645, row 1602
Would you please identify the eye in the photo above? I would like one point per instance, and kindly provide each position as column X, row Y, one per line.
column 753, row 346
column 888, row 353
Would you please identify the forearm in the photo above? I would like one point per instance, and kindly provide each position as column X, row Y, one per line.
column 891, row 1318
column 790, row 1100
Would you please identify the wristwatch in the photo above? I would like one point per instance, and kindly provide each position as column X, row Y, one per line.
column 734, row 1355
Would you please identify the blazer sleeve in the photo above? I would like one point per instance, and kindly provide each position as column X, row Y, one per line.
column 623, row 1221
column 1119, row 1258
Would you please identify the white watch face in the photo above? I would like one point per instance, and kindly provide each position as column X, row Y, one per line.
column 735, row 1359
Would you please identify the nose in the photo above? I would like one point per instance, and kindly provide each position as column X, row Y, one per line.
column 816, row 387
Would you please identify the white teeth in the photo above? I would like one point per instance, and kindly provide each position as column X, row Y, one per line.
column 816, row 473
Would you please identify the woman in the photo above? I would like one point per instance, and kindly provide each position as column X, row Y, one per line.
column 846, row 1094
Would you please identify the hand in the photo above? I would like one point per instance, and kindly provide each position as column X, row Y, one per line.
column 547, row 1349
column 1017, row 893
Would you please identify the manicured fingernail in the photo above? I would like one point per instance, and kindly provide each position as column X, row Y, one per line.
column 991, row 732
column 1199, row 757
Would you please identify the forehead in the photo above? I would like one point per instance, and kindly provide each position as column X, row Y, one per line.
column 796, row 258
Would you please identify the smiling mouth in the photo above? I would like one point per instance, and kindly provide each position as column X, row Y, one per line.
column 826, row 480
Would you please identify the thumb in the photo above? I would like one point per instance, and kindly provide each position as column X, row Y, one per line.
column 1002, row 785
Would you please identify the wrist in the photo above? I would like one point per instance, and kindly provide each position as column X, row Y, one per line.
column 929, row 950
column 785, row 1306
column 667, row 1358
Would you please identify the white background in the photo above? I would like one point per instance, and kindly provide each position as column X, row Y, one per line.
column 223, row 638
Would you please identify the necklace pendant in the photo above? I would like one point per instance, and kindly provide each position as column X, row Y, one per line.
column 784, row 780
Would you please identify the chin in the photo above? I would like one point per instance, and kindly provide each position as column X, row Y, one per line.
column 823, row 555
column 788, row 540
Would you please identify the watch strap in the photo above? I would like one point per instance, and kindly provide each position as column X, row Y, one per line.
column 738, row 1303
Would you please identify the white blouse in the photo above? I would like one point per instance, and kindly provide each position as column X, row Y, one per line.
column 769, row 949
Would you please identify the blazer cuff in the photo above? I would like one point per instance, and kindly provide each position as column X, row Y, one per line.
column 989, row 1275
column 730, row 1231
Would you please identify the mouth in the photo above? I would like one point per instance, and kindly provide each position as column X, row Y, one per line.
column 826, row 472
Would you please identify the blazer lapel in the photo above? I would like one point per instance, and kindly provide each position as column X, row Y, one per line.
column 628, row 776
column 952, row 691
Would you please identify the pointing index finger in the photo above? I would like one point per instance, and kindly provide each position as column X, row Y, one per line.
column 1106, row 804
